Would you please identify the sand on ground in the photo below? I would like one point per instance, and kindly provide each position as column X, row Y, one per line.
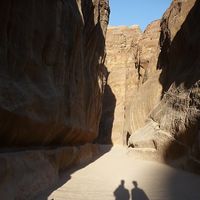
column 118, row 176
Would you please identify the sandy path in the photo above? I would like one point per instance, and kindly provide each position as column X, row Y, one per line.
column 100, row 179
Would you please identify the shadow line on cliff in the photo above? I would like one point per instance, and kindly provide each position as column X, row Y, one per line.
column 180, row 65
column 90, row 32
column 108, row 110
column 65, row 175
column 178, row 58
column 93, row 52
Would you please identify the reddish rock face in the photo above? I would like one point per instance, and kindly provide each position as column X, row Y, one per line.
column 133, row 87
column 50, row 71
column 178, row 113
column 121, row 48
column 146, row 95
column 173, row 131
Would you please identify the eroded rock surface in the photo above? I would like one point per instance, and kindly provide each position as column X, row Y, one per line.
column 178, row 112
column 51, row 86
column 121, row 48
column 26, row 174
column 51, row 79
column 147, row 94
column 133, row 88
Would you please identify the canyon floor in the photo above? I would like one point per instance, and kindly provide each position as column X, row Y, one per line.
column 103, row 180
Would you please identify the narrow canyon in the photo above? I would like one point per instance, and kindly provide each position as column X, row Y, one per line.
column 151, row 100
column 84, row 104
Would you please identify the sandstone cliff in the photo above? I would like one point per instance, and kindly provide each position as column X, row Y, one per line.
column 148, row 91
column 121, row 48
column 174, row 125
column 50, row 71
column 51, row 86
column 133, row 87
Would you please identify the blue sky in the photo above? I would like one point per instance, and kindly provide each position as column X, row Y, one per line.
column 141, row 12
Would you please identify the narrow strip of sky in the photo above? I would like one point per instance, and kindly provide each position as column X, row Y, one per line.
column 140, row 12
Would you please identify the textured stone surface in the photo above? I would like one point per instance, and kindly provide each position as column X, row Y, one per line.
column 121, row 48
column 133, row 87
column 178, row 112
column 152, row 143
column 50, row 75
column 51, row 86
column 148, row 91
column 24, row 175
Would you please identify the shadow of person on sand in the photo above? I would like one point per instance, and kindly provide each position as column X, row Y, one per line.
column 121, row 193
column 137, row 193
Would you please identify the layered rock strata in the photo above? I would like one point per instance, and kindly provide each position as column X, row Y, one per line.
column 133, row 88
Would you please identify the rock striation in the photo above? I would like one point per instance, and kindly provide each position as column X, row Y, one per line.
column 133, row 88
column 147, row 94
column 51, row 86
column 177, row 114
column 121, row 52
column 51, row 80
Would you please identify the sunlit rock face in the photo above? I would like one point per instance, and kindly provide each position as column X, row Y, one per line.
column 177, row 114
column 147, row 94
column 133, row 88
column 51, row 81
column 121, row 53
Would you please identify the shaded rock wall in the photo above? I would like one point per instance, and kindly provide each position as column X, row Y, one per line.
column 51, row 79
column 51, row 86
column 178, row 113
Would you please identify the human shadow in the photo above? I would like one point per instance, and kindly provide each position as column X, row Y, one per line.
column 121, row 193
column 138, row 193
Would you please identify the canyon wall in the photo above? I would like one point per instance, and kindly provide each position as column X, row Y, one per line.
column 173, row 127
column 51, row 80
column 121, row 52
column 133, row 88
column 51, row 85
column 148, row 91
column 152, row 98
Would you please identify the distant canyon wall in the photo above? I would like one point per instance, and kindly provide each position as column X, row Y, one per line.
column 132, row 81
column 154, row 79
column 121, row 51
column 148, row 92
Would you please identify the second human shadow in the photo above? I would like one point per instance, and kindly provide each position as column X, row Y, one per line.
column 138, row 193
column 121, row 193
